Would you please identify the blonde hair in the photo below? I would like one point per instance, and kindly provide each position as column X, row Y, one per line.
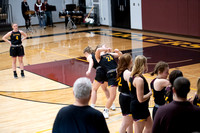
column 198, row 87
column 139, row 65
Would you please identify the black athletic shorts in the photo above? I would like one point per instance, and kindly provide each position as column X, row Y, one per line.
column 139, row 111
column 112, row 80
column 100, row 75
column 125, row 101
column 16, row 51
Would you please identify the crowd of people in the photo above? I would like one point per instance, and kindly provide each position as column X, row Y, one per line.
column 172, row 112
column 42, row 11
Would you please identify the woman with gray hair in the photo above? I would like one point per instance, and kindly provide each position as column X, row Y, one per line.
column 80, row 117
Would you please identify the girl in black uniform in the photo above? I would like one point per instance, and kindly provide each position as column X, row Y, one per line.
column 159, row 84
column 25, row 8
column 106, row 59
column 140, row 96
column 16, row 47
column 100, row 78
column 123, row 73
column 196, row 100
column 169, row 93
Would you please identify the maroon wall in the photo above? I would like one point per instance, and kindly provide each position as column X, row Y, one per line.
column 172, row 16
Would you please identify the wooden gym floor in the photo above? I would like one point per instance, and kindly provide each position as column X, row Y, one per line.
column 54, row 59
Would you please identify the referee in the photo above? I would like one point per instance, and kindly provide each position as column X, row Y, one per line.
column 16, row 48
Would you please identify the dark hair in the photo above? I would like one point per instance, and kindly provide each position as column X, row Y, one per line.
column 123, row 64
column 182, row 87
column 160, row 66
column 37, row 1
column 173, row 75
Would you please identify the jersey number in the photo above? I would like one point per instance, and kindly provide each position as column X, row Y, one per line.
column 17, row 37
column 109, row 58
column 119, row 81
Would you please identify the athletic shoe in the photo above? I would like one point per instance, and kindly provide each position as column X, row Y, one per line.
column 15, row 76
column 22, row 75
column 113, row 108
column 106, row 113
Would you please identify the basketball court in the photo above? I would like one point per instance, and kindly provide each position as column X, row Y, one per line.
column 54, row 60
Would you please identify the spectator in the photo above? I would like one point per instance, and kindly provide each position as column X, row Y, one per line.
column 179, row 116
column 80, row 117
column 39, row 8
column 48, row 14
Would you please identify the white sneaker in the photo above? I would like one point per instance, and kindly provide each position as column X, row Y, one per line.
column 113, row 108
column 106, row 113
column 92, row 105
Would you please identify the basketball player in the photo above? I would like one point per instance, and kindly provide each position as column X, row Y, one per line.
column 169, row 92
column 140, row 96
column 123, row 74
column 100, row 78
column 106, row 59
column 16, row 48
column 196, row 100
column 159, row 84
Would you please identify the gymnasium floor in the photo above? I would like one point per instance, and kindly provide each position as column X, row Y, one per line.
column 54, row 60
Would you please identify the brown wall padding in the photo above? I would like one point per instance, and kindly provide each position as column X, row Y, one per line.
column 172, row 16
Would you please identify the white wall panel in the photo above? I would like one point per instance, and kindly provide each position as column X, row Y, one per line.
column 136, row 14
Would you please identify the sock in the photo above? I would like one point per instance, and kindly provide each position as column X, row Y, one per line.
column 106, row 109
column 15, row 73
column 22, row 71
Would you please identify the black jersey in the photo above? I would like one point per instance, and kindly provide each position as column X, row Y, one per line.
column 122, row 84
column 134, row 93
column 16, row 38
column 159, row 96
column 108, row 62
column 96, row 64
column 139, row 110
column 196, row 101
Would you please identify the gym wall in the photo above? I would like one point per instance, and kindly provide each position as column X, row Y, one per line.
column 17, row 14
column 172, row 16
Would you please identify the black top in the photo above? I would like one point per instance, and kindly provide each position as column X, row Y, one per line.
column 168, row 94
column 108, row 62
column 96, row 64
column 133, row 92
column 177, row 117
column 25, row 7
column 47, row 7
column 76, row 119
column 159, row 96
column 196, row 101
column 15, row 38
column 123, row 85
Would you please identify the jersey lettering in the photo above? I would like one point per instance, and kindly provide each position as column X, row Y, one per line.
column 109, row 58
column 120, row 81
